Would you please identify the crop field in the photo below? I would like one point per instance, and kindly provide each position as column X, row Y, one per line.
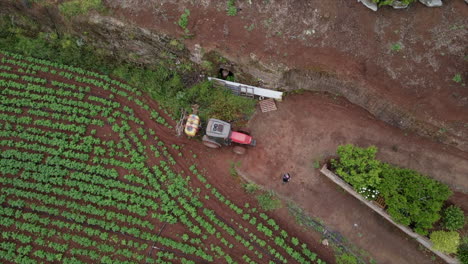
column 89, row 175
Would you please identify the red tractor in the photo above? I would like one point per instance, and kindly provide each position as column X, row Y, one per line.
column 219, row 133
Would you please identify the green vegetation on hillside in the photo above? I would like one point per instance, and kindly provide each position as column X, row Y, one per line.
column 163, row 81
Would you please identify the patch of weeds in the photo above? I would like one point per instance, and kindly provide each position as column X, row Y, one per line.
column 177, row 44
column 79, row 7
column 442, row 130
column 250, row 28
column 268, row 201
column 346, row 259
column 396, row 47
column 231, row 9
column 207, row 65
column 250, row 187
column 183, row 20
column 267, row 22
column 232, row 168
column 457, row 78
column 455, row 27
column 316, row 164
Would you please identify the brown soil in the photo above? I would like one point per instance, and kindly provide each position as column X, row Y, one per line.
column 346, row 40
column 341, row 38
column 308, row 128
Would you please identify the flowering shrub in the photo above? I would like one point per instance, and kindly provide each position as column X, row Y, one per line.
column 369, row 193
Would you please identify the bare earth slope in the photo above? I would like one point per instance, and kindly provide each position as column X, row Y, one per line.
column 398, row 64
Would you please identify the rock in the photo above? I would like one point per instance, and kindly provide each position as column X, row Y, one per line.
column 369, row 4
column 432, row 3
column 325, row 242
column 399, row 5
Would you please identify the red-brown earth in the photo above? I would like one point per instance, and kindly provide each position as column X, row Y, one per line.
column 355, row 45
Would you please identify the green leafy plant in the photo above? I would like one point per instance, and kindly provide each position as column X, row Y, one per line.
column 183, row 20
column 250, row 187
column 396, row 47
column 457, row 78
column 412, row 198
column 358, row 166
column 231, row 8
column 453, row 218
column 447, row 242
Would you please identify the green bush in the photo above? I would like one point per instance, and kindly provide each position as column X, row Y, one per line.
column 453, row 218
column 447, row 242
column 412, row 199
column 358, row 166
column 462, row 254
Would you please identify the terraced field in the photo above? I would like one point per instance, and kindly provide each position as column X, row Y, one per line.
column 90, row 173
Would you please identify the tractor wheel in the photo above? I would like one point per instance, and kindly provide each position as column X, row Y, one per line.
column 210, row 143
column 244, row 130
column 239, row 150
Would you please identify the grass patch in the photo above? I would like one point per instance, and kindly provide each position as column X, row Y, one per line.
column 268, row 201
column 232, row 168
column 79, row 7
column 250, row 188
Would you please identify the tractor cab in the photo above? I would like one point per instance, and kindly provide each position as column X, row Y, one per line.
column 218, row 130
column 219, row 133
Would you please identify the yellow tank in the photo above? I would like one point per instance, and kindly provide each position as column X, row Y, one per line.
column 192, row 125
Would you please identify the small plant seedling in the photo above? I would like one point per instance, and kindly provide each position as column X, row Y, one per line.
column 231, row 8
column 316, row 164
column 250, row 28
column 457, row 78
column 183, row 20
column 396, row 47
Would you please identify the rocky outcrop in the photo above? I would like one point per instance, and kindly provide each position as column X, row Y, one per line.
column 431, row 3
column 400, row 4
column 369, row 4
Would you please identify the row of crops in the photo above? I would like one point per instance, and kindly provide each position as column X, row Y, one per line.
column 88, row 175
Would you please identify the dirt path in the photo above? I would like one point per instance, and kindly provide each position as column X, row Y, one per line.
column 309, row 127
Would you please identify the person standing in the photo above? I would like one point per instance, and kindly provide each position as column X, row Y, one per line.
column 286, row 177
